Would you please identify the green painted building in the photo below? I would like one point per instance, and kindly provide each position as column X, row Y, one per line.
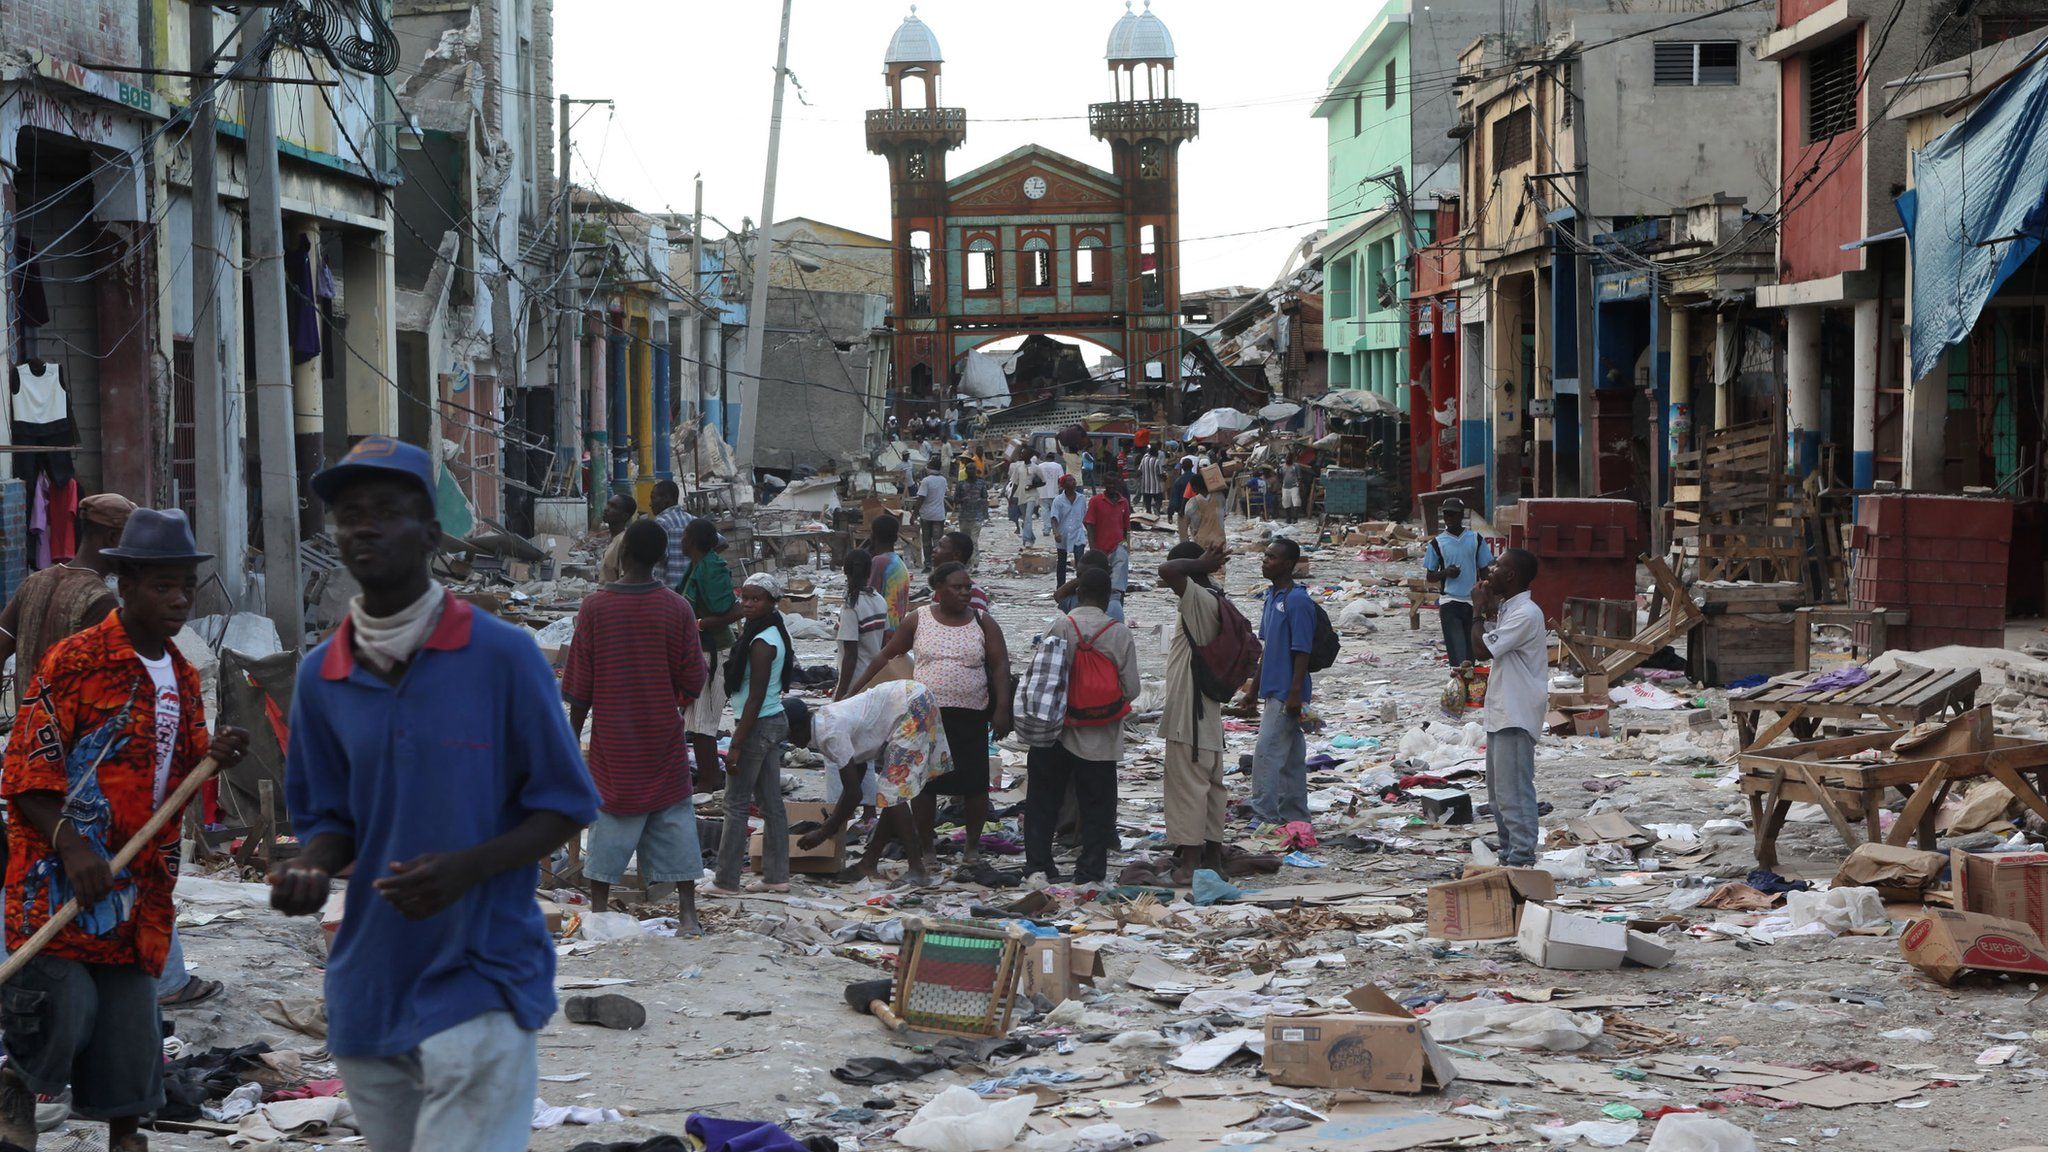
column 1380, row 120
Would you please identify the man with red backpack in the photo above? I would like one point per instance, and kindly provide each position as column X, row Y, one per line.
column 1214, row 652
column 1102, row 680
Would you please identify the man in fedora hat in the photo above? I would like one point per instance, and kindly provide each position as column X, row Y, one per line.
column 429, row 750
column 112, row 723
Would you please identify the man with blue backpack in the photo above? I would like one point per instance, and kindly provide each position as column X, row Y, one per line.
column 1296, row 640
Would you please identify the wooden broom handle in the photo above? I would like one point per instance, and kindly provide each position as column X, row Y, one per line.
column 137, row 843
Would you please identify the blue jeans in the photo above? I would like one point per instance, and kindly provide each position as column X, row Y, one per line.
column 1456, row 618
column 174, row 976
column 1511, row 790
column 1279, row 767
column 478, row 1079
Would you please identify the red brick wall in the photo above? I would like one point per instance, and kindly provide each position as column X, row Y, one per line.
column 108, row 31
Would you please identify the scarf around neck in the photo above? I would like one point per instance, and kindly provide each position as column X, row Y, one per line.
column 388, row 641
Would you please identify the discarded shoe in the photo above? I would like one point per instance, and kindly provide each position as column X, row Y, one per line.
column 611, row 1010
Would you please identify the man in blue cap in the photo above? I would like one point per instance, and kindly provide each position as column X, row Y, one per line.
column 428, row 749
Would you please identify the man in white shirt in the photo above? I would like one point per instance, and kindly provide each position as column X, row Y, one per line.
column 931, row 506
column 1049, row 472
column 1517, row 692
column 1021, row 500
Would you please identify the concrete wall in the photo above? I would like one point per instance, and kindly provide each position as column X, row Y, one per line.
column 1653, row 145
column 813, row 400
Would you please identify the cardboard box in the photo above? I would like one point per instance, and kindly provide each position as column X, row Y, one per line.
column 1591, row 722
column 2013, row 885
column 1031, row 562
column 1473, row 908
column 800, row 605
column 1549, row 938
column 826, row 859
column 1947, row 944
column 1529, row 883
column 1381, row 1047
column 1445, row 805
column 1212, row 475
column 1648, row 951
column 1485, row 903
column 554, row 914
column 1058, row 967
column 1896, row 873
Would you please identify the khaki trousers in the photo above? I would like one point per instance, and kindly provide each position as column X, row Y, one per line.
column 1197, row 802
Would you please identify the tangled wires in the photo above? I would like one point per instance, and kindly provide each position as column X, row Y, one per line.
column 351, row 33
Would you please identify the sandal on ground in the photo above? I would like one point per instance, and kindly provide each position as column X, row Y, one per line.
column 195, row 991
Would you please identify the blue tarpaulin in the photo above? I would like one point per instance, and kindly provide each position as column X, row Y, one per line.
column 1977, row 209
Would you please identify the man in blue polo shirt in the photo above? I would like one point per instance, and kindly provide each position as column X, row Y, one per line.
column 429, row 750
column 1287, row 634
column 1455, row 560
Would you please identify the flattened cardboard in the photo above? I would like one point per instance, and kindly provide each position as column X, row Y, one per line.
column 1608, row 828
column 1946, row 944
column 1380, row 1048
column 1552, row 939
column 1474, row 908
column 2013, row 885
column 827, row 859
column 1842, row 1089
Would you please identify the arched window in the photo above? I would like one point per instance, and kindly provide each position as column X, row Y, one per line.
column 1035, row 265
column 920, row 272
column 1091, row 263
column 1148, row 266
column 981, row 265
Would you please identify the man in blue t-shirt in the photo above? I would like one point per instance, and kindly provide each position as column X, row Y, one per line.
column 1287, row 634
column 429, row 750
column 1454, row 560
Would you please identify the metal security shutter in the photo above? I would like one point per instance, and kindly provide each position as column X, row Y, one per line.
column 1674, row 62
column 1511, row 141
column 1831, row 83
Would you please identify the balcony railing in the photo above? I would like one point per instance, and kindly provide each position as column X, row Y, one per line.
column 1165, row 117
column 935, row 124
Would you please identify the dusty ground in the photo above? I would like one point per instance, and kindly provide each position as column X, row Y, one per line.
column 1720, row 1002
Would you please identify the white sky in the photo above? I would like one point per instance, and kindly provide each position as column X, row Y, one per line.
column 693, row 81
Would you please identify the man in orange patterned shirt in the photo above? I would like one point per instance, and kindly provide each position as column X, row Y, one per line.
column 112, row 724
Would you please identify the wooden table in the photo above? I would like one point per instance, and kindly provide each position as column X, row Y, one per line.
column 1903, row 697
column 1820, row 772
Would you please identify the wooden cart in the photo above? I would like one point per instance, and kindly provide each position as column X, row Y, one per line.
column 1821, row 772
column 1903, row 697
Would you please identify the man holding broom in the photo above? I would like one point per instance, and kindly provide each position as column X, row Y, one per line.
column 110, row 727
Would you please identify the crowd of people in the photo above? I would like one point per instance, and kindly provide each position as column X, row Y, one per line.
column 441, row 973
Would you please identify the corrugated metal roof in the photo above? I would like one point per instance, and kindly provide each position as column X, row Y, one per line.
column 1140, row 36
column 913, row 43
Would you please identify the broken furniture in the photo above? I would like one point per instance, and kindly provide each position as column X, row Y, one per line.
column 1746, row 630
column 1869, row 630
column 1904, row 696
column 1622, row 653
column 958, row 977
column 1735, row 513
column 1421, row 594
column 1851, row 775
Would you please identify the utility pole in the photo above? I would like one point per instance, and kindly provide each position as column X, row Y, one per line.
column 283, row 593
column 1582, row 224
column 209, row 410
column 764, row 244
column 697, row 318
column 568, row 429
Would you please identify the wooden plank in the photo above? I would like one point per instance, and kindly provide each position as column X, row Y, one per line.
column 1824, row 797
column 2005, row 773
column 1873, row 692
column 1777, row 728
column 1919, row 804
column 1938, row 694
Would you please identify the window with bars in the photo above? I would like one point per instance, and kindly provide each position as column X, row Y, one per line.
column 1037, row 265
column 1567, row 82
column 1696, row 63
column 1390, row 83
column 1831, row 83
column 1511, row 140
